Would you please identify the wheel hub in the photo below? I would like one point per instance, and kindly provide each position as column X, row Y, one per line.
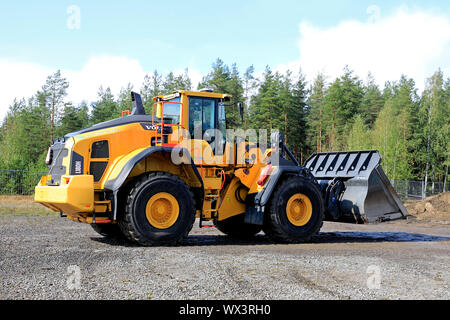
column 299, row 209
column 162, row 210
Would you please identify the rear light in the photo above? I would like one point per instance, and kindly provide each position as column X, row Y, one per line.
column 265, row 173
column 66, row 180
column 48, row 158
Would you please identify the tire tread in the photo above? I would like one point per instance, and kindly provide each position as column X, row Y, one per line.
column 127, row 224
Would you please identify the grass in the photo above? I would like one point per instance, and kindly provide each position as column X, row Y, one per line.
column 22, row 206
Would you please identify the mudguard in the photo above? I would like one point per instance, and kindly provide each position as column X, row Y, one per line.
column 114, row 184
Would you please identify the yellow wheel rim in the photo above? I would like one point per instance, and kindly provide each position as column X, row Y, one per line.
column 299, row 209
column 162, row 210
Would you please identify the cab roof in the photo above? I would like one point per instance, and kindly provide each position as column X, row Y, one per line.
column 206, row 94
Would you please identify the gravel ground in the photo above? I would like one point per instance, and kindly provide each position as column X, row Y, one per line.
column 40, row 258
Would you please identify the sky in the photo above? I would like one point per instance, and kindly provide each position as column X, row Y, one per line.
column 112, row 43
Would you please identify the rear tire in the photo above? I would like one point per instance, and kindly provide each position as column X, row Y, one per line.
column 236, row 228
column 295, row 212
column 160, row 210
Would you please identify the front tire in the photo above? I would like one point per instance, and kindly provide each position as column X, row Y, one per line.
column 296, row 211
column 160, row 210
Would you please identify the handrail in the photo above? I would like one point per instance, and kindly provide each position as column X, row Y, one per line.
column 222, row 179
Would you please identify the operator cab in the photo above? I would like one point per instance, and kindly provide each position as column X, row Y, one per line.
column 201, row 113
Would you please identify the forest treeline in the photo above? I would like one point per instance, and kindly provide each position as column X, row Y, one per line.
column 411, row 131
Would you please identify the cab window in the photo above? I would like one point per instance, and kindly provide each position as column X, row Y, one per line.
column 202, row 115
column 171, row 112
column 222, row 121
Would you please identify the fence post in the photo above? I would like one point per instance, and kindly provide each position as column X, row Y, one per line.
column 423, row 190
column 406, row 189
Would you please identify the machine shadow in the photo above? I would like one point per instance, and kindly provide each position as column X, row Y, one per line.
column 357, row 236
column 322, row 238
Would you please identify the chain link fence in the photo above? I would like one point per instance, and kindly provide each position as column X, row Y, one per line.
column 413, row 190
column 18, row 182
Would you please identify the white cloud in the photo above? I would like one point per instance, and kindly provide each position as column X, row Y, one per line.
column 19, row 80
column 107, row 71
column 23, row 79
column 409, row 41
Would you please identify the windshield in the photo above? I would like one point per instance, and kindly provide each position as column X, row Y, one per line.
column 172, row 111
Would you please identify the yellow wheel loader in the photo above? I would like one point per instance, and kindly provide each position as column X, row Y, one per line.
column 149, row 176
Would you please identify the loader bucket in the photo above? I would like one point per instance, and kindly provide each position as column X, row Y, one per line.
column 355, row 187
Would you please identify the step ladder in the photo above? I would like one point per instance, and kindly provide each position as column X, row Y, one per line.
column 210, row 212
column 105, row 207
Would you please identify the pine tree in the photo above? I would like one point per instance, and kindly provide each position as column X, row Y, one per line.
column 265, row 107
column 169, row 84
column 54, row 91
column 446, row 133
column 285, row 101
column 152, row 87
column 18, row 150
column 434, row 123
column 183, row 82
column 217, row 79
column 405, row 105
column 297, row 111
column 250, row 84
column 173, row 83
column 124, row 101
column 236, row 89
column 105, row 108
column 73, row 119
column 8, row 134
column 221, row 79
column 359, row 135
column 341, row 103
column 316, row 129
column 387, row 139
column 372, row 102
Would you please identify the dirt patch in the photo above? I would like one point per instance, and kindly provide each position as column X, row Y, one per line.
column 432, row 208
column 22, row 205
